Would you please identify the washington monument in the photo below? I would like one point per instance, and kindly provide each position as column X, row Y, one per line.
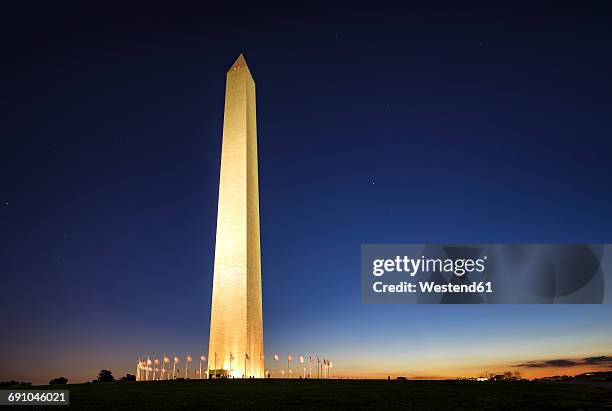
column 236, row 325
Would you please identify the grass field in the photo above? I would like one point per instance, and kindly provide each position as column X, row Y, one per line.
column 339, row 394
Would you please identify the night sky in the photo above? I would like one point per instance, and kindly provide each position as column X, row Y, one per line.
column 374, row 126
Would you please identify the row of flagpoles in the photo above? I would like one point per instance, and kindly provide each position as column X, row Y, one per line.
column 154, row 369
column 323, row 367
column 149, row 369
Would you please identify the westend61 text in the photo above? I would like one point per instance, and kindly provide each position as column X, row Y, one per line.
column 432, row 287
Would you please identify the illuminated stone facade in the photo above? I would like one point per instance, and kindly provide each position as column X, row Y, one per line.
column 236, row 325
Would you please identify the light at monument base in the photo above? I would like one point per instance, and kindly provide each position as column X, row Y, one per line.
column 236, row 370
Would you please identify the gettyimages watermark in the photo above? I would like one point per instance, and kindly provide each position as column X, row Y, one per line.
column 486, row 273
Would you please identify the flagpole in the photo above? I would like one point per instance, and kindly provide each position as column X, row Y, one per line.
column 309, row 365
column 163, row 366
column 289, row 358
column 276, row 357
column 187, row 361
column 147, row 374
column 202, row 359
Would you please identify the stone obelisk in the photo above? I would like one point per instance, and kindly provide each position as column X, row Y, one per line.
column 236, row 325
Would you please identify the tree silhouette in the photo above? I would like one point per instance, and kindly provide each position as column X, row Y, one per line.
column 128, row 377
column 105, row 376
column 59, row 380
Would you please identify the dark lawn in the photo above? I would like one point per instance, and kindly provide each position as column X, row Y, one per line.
column 335, row 394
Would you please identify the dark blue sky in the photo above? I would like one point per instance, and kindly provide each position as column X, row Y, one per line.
column 396, row 125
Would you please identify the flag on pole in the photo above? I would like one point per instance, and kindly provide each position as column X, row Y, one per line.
column 166, row 359
column 231, row 356
column 276, row 357
column 246, row 356
column 203, row 357
column 301, row 359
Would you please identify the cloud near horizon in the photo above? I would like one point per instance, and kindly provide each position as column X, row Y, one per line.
column 599, row 360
